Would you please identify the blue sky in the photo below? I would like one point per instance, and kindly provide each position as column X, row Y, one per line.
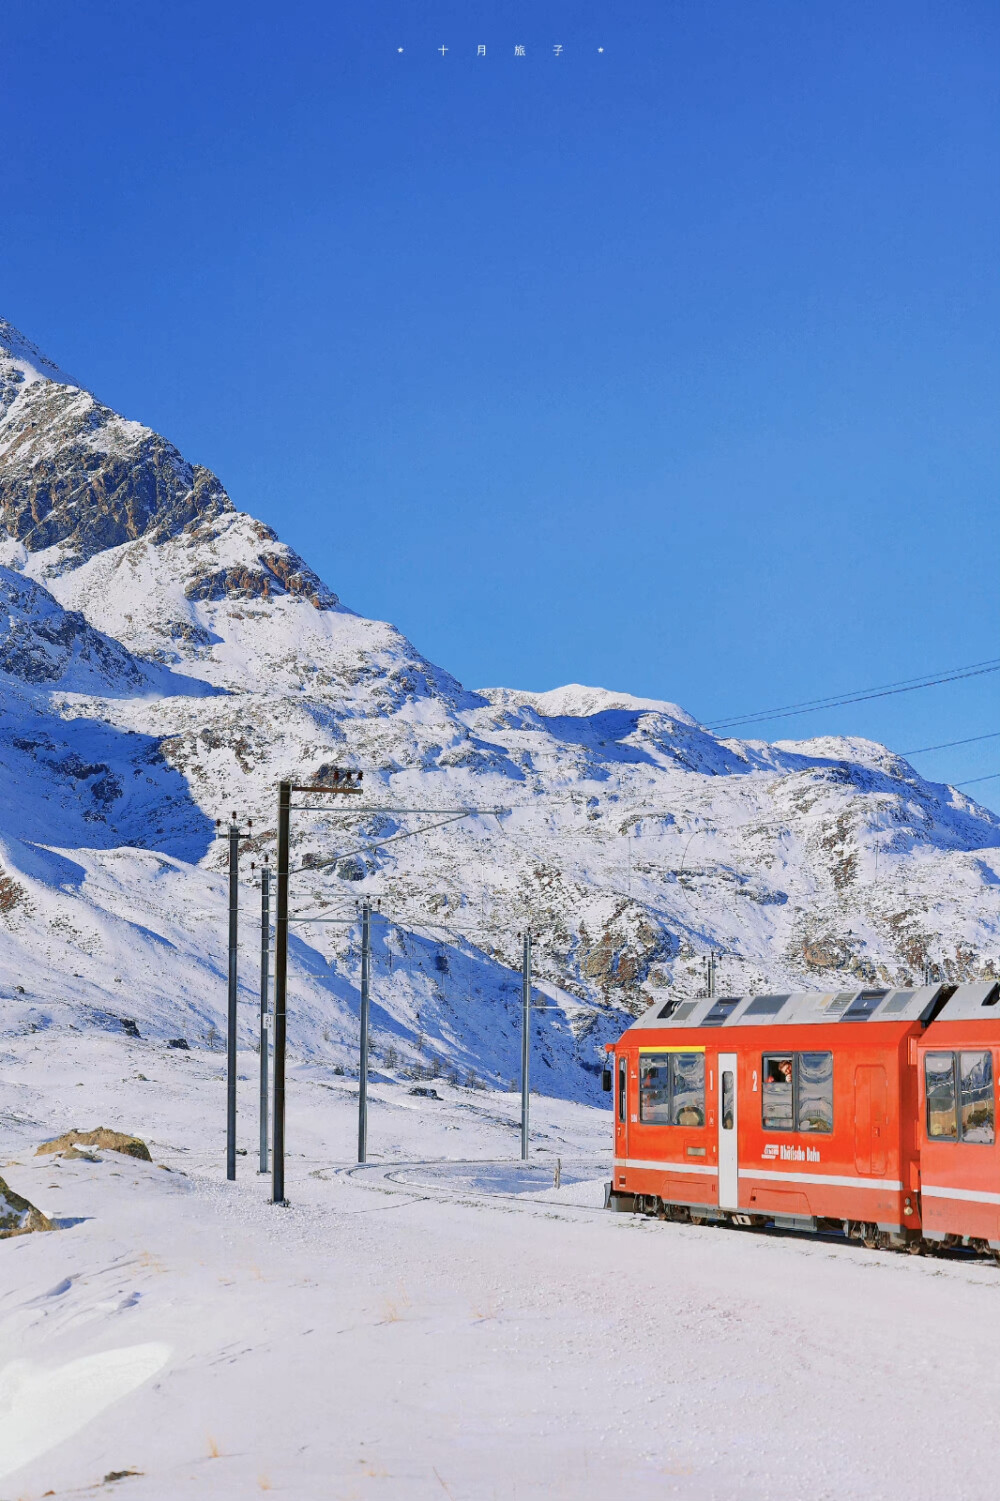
column 671, row 368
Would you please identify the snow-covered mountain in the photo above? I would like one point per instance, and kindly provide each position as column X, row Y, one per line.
column 165, row 659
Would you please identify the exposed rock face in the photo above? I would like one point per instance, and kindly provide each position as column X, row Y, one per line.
column 17, row 1216
column 276, row 574
column 77, row 477
column 11, row 893
column 826, row 953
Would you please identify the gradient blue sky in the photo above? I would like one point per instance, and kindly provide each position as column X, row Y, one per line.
column 672, row 368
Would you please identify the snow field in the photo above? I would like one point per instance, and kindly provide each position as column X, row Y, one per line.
column 429, row 1327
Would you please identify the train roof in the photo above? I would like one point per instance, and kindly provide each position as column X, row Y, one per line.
column 821, row 1006
column 968, row 1001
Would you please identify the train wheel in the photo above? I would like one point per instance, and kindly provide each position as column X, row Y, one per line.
column 996, row 1256
column 872, row 1238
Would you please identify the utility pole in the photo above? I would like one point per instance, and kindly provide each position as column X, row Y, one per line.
column 343, row 782
column 366, row 960
column 280, row 987
column 710, row 973
column 338, row 780
column 265, row 956
column 234, row 923
column 525, row 1040
column 234, row 834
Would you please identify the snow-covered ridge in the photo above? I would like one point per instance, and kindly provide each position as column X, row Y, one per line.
column 50, row 648
column 23, row 363
column 629, row 838
column 575, row 701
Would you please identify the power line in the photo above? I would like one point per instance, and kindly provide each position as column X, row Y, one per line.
column 406, row 834
column 860, row 695
column 987, row 778
column 947, row 744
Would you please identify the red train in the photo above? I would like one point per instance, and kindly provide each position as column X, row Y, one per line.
column 869, row 1112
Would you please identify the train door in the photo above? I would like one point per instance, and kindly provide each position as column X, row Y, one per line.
column 729, row 1179
column 870, row 1125
column 621, row 1106
column 959, row 1165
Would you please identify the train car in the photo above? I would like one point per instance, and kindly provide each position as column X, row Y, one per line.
column 794, row 1110
column 957, row 1058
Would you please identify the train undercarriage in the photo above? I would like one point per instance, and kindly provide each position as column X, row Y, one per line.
column 873, row 1236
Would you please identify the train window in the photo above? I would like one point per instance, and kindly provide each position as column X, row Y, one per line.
column 622, row 1087
column 672, row 1089
column 975, row 1075
column 777, row 1101
column 959, row 1088
column 727, row 1099
column 654, row 1088
column 814, row 1091
column 687, row 1080
column 798, row 1091
column 939, row 1078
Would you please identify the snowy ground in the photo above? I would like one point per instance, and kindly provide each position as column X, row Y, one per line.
column 442, row 1323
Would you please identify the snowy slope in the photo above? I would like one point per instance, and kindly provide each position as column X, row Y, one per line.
column 629, row 838
column 429, row 1328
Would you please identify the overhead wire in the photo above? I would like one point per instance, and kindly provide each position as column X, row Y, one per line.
column 368, row 848
column 947, row 744
column 860, row 695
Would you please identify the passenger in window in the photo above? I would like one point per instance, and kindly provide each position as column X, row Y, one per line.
column 688, row 1089
column 776, row 1099
column 654, row 1090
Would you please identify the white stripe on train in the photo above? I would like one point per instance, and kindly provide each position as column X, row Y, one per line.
column 666, row 1167
column 968, row 1195
column 831, row 1180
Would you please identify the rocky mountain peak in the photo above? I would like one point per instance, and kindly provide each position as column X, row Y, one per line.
column 79, row 483
column 76, row 478
column 23, row 364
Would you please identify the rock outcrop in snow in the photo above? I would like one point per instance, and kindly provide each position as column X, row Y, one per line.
column 17, row 1215
column 166, row 659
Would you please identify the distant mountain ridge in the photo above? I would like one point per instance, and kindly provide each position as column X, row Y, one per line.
column 142, row 614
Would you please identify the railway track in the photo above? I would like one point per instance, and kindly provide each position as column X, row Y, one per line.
column 475, row 1181
column 422, row 1181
